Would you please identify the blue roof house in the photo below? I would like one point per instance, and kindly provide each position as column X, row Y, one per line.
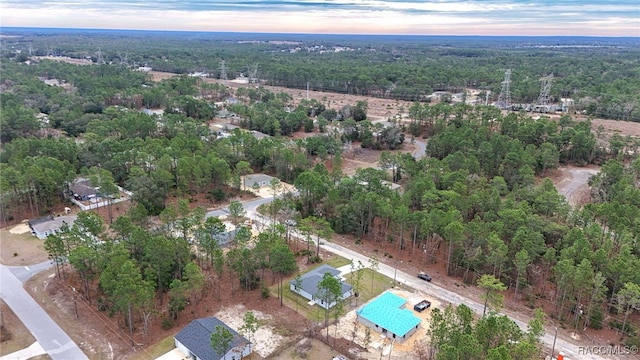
column 195, row 341
column 309, row 285
column 386, row 314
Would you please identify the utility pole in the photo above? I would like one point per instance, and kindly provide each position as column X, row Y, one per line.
column 223, row 71
column 553, row 347
column 545, row 87
column 75, row 304
column 504, row 100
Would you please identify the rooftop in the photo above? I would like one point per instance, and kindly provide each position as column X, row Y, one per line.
column 197, row 338
column 311, row 279
column 385, row 311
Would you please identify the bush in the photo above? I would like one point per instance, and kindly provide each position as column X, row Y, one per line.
column 167, row 324
column 618, row 325
column 265, row 292
column 315, row 259
column 217, row 195
column 595, row 322
column 632, row 341
column 305, row 253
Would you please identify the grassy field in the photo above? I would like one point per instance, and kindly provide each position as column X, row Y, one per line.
column 21, row 249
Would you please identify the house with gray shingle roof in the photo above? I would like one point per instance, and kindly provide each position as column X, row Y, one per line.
column 48, row 225
column 195, row 341
column 309, row 285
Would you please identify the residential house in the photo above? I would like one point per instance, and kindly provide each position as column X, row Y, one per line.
column 258, row 135
column 309, row 285
column 82, row 190
column 45, row 226
column 195, row 341
column 387, row 315
column 257, row 180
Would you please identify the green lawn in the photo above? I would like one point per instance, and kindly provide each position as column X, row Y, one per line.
column 156, row 350
column 316, row 313
column 335, row 261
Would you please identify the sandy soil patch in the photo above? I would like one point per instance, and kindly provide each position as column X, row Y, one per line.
column 20, row 229
column 266, row 192
column 265, row 340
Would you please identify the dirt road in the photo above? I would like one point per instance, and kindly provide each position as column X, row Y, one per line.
column 574, row 182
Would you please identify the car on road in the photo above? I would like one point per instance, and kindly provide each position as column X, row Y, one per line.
column 422, row 305
column 424, row 276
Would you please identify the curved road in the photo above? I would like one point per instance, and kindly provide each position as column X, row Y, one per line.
column 578, row 177
column 47, row 333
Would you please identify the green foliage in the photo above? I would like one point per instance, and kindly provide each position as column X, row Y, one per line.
column 492, row 287
column 221, row 340
column 455, row 334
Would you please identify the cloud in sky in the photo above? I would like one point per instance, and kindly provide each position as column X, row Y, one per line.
column 429, row 17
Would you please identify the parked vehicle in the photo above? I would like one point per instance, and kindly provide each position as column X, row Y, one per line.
column 422, row 305
column 424, row 276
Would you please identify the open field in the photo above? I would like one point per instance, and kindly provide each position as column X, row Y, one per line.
column 19, row 247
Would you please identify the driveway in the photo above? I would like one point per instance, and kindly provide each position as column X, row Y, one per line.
column 47, row 333
column 576, row 179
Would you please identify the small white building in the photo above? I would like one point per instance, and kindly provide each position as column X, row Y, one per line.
column 195, row 341
column 257, row 180
column 309, row 285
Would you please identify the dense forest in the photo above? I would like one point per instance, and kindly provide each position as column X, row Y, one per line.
column 479, row 196
column 596, row 73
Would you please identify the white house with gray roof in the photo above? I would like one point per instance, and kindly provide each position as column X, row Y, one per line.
column 195, row 341
column 309, row 285
column 257, row 180
column 48, row 225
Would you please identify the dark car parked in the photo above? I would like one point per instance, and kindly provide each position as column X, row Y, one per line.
column 422, row 305
column 424, row 277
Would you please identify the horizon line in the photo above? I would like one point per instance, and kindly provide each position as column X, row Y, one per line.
column 312, row 33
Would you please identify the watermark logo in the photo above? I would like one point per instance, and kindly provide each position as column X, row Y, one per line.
column 608, row 350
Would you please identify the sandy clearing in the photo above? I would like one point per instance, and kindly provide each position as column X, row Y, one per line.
column 265, row 340
column 20, row 229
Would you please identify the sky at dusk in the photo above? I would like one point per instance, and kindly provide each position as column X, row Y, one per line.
column 429, row 17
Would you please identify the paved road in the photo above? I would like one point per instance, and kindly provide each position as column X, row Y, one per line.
column 410, row 280
column 46, row 332
column 570, row 350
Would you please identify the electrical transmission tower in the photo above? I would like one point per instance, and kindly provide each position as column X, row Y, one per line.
column 545, row 87
column 223, row 71
column 253, row 74
column 123, row 60
column 504, row 100
column 100, row 60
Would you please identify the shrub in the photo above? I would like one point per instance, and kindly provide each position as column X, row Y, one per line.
column 265, row 292
column 167, row 324
column 595, row 322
